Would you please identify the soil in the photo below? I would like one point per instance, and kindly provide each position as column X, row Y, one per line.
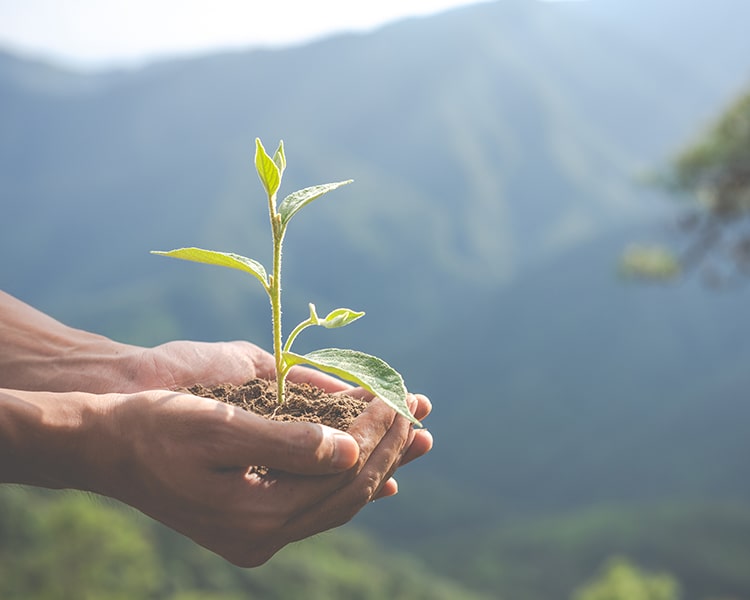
column 302, row 402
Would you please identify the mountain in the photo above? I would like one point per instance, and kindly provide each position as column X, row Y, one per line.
column 575, row 388
column 497, row 152
column 481, row 141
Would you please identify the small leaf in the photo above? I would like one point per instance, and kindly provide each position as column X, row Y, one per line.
column 339, row 318
column 279, row 158
column 370, row 372
column 222, row 259
column 295, row 201
column 268, row 170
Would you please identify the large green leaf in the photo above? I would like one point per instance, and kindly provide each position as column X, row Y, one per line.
column 222, row 259
column 370, row 372
column 295, row 201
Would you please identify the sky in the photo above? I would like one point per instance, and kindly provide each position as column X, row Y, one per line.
column 94, row 34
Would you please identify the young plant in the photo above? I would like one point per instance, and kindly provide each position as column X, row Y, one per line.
column 370, row 372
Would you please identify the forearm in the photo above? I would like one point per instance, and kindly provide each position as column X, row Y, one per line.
column 39, row 353
column 56, row 440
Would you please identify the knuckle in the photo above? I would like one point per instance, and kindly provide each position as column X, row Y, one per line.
column 368, row 487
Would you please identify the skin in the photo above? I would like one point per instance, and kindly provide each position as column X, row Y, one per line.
column 80, row 411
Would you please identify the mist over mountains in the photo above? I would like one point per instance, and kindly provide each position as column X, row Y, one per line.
column 482, row 140
column 497, row 153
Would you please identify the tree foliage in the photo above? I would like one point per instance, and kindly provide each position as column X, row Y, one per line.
column 714, row 174
column 717, row 167
column 71, row 546
column 621, row 580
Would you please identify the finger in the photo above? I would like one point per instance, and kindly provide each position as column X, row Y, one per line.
column 369, row 428
column 424, row 407
column 420, row 404
column 420, row 446
column 292, row 447
column 372, row 480
column 421, row 441
column 408, row 434
column 390, row 488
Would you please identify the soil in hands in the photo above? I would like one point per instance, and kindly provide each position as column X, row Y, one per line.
column 302, row 402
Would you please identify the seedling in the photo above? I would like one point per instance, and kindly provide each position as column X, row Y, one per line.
column 370, row 372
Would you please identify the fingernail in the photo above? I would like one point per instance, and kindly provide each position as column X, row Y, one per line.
column 345, row 451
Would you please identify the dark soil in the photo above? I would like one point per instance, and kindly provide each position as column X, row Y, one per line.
column 302, row 402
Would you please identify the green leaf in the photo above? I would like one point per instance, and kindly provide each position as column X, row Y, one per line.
column 370, row 372
column 295, row 201
column 339, row 318
column 279, row 158
column 268, row 170
column 222, row 259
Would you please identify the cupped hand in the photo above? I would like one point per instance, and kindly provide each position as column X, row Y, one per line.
column 184, row 363
column 186, row 462
column 103, row 419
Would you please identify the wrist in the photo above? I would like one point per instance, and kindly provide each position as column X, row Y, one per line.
column 41, row 354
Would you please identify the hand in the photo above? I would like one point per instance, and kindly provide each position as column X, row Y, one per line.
column 38, row 353
column 183, row 363
column 200, row 486
column 80, row 415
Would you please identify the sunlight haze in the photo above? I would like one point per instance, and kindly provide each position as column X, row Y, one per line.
column 95, row 34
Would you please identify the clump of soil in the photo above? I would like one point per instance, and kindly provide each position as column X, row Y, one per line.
column 302, row 402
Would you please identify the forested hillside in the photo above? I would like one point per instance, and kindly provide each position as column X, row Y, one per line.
column 499, row 154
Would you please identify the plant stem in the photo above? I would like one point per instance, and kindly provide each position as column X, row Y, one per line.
column 276, row 306
column 295, row 332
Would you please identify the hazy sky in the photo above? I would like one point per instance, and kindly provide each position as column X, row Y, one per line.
column 94, row 33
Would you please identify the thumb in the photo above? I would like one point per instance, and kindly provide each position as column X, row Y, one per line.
column 296, row 447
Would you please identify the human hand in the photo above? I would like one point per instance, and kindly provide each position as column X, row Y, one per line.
column 185, row 461
column 184, row 363
column 39, row 353
column 55, row 433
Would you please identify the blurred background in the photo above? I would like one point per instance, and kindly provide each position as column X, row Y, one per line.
column 590, row 395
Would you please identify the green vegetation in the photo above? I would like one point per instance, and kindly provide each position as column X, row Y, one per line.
column 649, row 261
column 370, row 372
column 716, row 167
column 714, row 174
column 621, row 580
column 70, row 546
column 705, row 548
